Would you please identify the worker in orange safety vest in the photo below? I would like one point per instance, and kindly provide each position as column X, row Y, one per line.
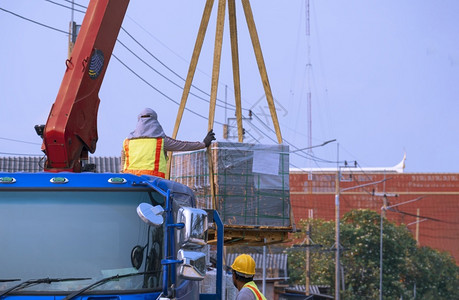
column 243, row 269
column 144, row 150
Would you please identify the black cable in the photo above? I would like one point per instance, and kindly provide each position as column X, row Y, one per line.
column 356, row 180
column 19, row 141
column 30, row 20
column 175, row 73
column 20, row 154
column 163, row 94
column 161, row 74
column 314, row 158
column 414, row 215
column 72, row 2
column 41, row 162
column 248, row 132
column 361, row 169
column 65, row 6
column 165, row 77
column 140, row 77
column 437, row 236
column 157, row 90
column 232, row 106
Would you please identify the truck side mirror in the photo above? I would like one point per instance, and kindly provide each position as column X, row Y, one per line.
column 193, row 235
column 193, row 266
column 152, row 215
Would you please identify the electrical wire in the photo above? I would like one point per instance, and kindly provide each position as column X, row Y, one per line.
column 415, row 215
column 161, row 74
column 20, row 154
column 356, row 180
column 118, row 59
column 66, row 6
column 168, row 97
column 232, row 106
column 19, row 141
column 361, row 170
column 312, row 157
column 159, row 91
column 73, row 2
column 35, row 22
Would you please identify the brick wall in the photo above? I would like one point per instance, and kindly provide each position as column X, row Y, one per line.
column 315, row 194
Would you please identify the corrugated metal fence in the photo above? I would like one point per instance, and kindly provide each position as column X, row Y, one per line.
column 32, row 164
column 276, row 264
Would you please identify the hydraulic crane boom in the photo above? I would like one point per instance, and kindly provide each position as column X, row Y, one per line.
column 71, row 129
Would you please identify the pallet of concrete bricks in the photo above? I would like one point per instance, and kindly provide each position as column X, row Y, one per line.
column 251, row 182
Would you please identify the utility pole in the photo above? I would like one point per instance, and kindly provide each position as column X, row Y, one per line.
column 308, row 242
column 307, row 284
column 417, row 227
column 384, row 208
column 382, row 216
column 338, row 190
column 337, row 227
column 73, row 32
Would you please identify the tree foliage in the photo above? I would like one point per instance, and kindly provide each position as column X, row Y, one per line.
column 408, row 271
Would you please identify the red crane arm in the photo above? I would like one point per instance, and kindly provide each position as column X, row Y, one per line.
column 71, row 129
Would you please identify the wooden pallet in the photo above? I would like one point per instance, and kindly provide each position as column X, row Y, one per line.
column 251, row 235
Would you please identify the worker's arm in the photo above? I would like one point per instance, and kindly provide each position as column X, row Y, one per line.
column 171, row 144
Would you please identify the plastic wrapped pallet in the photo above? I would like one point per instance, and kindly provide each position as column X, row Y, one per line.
column 251, row 182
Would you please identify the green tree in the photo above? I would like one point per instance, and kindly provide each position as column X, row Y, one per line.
column 434, row 275
column 360, row 235
column 407, row 269
column 320, row 253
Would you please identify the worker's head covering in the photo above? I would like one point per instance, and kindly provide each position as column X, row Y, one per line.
column 147, row 125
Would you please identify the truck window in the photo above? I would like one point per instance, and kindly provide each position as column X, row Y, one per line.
column 68, row 234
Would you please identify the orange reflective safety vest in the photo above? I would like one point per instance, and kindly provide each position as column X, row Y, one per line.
column 253, row 287
column 145, row 156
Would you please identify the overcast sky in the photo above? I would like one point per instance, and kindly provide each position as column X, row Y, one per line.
column 383, row 76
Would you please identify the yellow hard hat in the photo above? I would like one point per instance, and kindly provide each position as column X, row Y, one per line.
column 244, row 264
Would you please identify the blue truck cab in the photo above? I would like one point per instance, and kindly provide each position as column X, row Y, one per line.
column 102, row 236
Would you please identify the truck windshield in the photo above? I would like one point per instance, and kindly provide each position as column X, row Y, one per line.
column 77, row 234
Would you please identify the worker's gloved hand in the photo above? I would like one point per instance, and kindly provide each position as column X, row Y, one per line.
column 209, row 138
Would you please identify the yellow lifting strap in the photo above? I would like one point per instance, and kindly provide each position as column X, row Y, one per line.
column 216, row 72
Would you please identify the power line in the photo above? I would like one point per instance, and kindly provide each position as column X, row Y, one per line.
column 161, row 74
column 140, row 77
column 73, row 2
column 19, row 141
column 358, row 182
column 176, row 74
column 20, row 154
column 172, row 71
column 414, row 215
column 162, row 93
column 232, row 106
column 157, row 90
column 30, row 20
column 152, row 55
column 66, row 6
column 310, row 156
